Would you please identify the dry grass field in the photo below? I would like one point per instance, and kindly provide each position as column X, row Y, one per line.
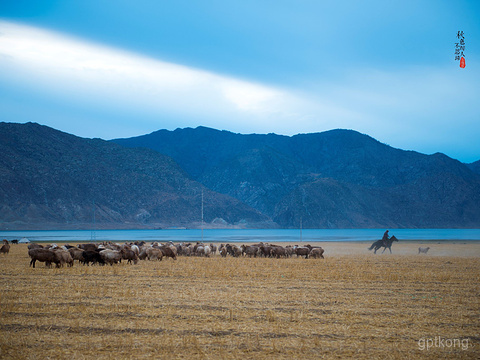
column 352, row 304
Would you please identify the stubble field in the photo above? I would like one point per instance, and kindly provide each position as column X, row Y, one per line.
column 348, row 305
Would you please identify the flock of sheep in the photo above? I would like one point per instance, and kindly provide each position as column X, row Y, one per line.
column 113, row 253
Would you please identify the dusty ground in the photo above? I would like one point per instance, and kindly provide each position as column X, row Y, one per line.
column 352, row 304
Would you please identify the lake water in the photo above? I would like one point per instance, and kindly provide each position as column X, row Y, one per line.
column 225, row 236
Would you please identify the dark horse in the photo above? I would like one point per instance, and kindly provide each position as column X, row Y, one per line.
column 385, row 244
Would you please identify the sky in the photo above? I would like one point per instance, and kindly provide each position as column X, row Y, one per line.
column 121, row 68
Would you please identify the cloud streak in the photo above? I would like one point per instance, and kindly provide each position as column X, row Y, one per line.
column 68, row 67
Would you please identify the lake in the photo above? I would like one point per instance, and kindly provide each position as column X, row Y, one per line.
column 251, row 235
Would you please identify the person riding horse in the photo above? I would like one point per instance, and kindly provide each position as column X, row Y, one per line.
column 385, row 242
column 385, row 237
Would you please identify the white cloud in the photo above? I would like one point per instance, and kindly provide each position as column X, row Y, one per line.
column 91, row 73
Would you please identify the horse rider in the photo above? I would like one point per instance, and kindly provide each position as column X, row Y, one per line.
column 385, row 237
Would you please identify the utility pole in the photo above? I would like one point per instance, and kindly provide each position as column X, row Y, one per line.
column 94, row 232
column 301, row 229
column 202, row 216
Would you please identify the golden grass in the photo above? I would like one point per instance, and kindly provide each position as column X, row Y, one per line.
column 345, row 306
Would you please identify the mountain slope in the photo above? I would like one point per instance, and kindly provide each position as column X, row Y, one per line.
column 475, row 166
column 338, row 178
column 50, row 178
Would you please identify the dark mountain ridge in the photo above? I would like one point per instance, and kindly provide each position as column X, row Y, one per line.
column 338, row 178
column 475, row 166
column 50, row 179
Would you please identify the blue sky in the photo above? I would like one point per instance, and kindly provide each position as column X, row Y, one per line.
column 123, row 68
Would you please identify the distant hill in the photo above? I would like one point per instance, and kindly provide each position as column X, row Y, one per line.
column 475, row 166
column 50, row 179
column 338, row 178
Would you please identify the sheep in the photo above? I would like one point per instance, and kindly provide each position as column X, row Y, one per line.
column 179, row 249
column 111, row 256
column 200, row 251
column 289, row 250
column 223, row 252
column 93, row 257
column 135, row 249
column 266, row 250
column 302, row 251
column 169, row 251
column 88, row 247
column 129, row 255
column 143, row 253
column 234, row 250
column 214, row 248
column 317, row 252
column 62, row 257
column 112, row 246
column 278, row 251
column 187, row 250
column 5, row 249
column 423, row 250
column 251, row 250
column 154, row 254
column 207, row 250
column 76, row 254
column 43, row 255
column 34, row 246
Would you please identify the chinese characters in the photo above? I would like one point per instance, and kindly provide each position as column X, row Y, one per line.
column 460, row 48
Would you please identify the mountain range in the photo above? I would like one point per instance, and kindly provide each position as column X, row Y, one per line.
column 333, row 179
column 50, row 179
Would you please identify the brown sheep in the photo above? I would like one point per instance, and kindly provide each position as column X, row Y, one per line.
column 266, row 250
column 88, row 247
column 278, row 251
column 223, row 252
column 154, row 254
column 77, row 254
column 317, row 252
column 92, row 257
column 251, row 250
column 302, row 251
column 5, row 247
column 143, row 253
column 289, row 250
column 34, row 246
column 43, row 255
column 62, row 257
column 187, row 250
column 129, row 255
column 169, row 251
column 234, row 250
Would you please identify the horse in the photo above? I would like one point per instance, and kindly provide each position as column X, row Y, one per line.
column 385, row 244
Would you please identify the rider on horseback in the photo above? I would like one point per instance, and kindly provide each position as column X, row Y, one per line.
column 385, row 237
column 385, row 242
